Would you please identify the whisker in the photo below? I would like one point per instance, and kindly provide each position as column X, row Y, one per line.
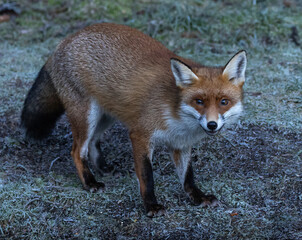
column 228, row 116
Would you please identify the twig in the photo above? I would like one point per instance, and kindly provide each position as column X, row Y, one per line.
column 53, row 161
column 21, row 166
column 228, row 140
column 2, row 233
column 29, row 202
column 298, row 153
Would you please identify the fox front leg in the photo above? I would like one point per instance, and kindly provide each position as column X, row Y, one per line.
column 144, row 173
column 182, row 160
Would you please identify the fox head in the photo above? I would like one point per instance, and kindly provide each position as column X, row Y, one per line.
column 211, row 96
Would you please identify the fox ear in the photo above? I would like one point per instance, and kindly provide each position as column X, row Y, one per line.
column 183, row 74
column 235, row 68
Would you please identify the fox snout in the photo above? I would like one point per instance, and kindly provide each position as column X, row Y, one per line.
column 212, row 126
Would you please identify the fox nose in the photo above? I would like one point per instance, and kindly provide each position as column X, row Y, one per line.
column 212, row 125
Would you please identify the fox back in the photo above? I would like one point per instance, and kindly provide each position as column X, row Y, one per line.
column 122, row 68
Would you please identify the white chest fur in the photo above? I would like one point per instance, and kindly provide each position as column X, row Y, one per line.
column 179, row 133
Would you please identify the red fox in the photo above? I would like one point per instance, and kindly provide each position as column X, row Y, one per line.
column 108, row 71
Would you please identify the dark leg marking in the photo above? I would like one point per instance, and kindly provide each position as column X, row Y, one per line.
column 97, row 157
column 153, row 209
column 94, row 150
column 90, row 183
column 195, row 194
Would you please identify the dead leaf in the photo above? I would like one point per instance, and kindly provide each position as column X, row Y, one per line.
column 4, row 18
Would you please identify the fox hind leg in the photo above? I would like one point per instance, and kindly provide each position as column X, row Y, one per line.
column 86, row 177
column 84, row 116
column 94, row 151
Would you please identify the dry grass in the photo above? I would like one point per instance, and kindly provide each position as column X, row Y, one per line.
column 254, row 170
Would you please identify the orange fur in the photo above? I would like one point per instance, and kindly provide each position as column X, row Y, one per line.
column 118, row 72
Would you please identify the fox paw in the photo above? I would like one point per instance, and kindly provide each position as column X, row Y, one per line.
column 197, row 197
column 155, row 210
column 209, row 201
column 95, row 187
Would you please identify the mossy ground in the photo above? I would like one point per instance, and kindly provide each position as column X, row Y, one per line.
column 255, row 170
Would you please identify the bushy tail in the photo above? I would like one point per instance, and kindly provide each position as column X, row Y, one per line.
column 42, row 107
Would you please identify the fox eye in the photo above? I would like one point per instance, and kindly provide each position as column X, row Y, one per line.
column 224, row 102
column 199, row 102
